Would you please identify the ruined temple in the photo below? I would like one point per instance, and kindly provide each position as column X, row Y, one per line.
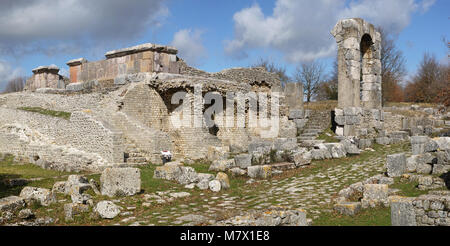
column 122, row 109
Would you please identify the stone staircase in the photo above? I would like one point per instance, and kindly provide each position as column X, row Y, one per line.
column 133, row 155
column 317, row 122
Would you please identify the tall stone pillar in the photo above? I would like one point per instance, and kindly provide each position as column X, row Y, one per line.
column 75, row 69
column 359, row 65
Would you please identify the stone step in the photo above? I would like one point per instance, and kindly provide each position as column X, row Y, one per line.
column 136, row 160
column 301, row 139
column 135, row 154
column 310, row 143
column 315, row 131
column 308, row 134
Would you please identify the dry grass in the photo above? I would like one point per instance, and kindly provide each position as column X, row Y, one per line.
column 408, row 113
column 408, row 104
column 321, row 105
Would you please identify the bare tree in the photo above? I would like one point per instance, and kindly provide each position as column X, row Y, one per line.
column 431, row 82
column 16, row 84
column 273, row 68
column 392, row 67
column 311, row 74
column 328, row 90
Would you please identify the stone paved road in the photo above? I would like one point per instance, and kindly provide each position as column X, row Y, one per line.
column 311, row 191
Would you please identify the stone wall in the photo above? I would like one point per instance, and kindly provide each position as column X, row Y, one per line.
column 141, row 58
column 90, row 140
column 426, row 210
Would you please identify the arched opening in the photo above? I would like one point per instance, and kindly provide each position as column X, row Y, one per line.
column 366, row 70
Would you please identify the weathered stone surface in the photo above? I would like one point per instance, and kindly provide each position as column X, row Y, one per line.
column 424, row 168
column 59, row 187
column 375, row 195
column 120, row 181
column 439, row 169
column 275, row 217
column 11, row 203
column 217, row 153
column 350, row 147
column 396, row 165
column 243, row 160
column 44, row 196
column 402, row 212
column 261, row 171
column 222, row 165
column 337, row 150
column 237, row 171
column 215, row 185
column 383, row 140
column 348, row 208
column 71, row 209
column 418, row 144
column 302, row 158
column 364, row 143
column 296, row 114
column 107, row 209
column 25, row 214
column 223, row 179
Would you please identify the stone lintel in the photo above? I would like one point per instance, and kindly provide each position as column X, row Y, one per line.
column 46, row 69
column 141, row 48
column 76, row 62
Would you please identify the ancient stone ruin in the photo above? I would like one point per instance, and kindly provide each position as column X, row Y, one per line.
column 118, row 115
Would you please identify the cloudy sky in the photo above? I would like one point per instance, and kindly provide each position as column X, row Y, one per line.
column 211, row 35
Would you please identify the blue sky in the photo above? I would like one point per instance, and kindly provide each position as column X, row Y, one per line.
column 210, row 35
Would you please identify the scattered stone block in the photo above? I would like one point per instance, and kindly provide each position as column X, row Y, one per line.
column 261, row 171
column 418, row 144
column 222, row 165
column 25, row 214
column 120, row 181
column 375, row 195
column 424, row 168
column 107, row 209
column 11, row 203
column 71, row 209
column 214, row 185
column 59, row 187
column 44, row 196
column 223, row 179
column 396, row 165
column 237, row 171
column 243, row 160
column 348, row 208
column 302, row 158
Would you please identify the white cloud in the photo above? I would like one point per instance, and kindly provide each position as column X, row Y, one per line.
column 50, row 26
column 300, row 29
column 190, row 46
column 7, row 72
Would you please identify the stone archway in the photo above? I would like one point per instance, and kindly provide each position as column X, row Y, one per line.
column 359, row 65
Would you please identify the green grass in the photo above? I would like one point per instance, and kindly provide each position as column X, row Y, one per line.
column 11, row 170
column 59, row 114
column 328, row 139
column 369, row 217
column 407, row 188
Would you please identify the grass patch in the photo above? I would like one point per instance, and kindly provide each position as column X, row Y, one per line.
column 59, row 114
column 328, row 135
column 407, row 188
column 369, row 217
column 35, row 175
column 321, row 105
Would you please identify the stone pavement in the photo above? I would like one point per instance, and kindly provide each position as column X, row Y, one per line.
column 312, row 191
